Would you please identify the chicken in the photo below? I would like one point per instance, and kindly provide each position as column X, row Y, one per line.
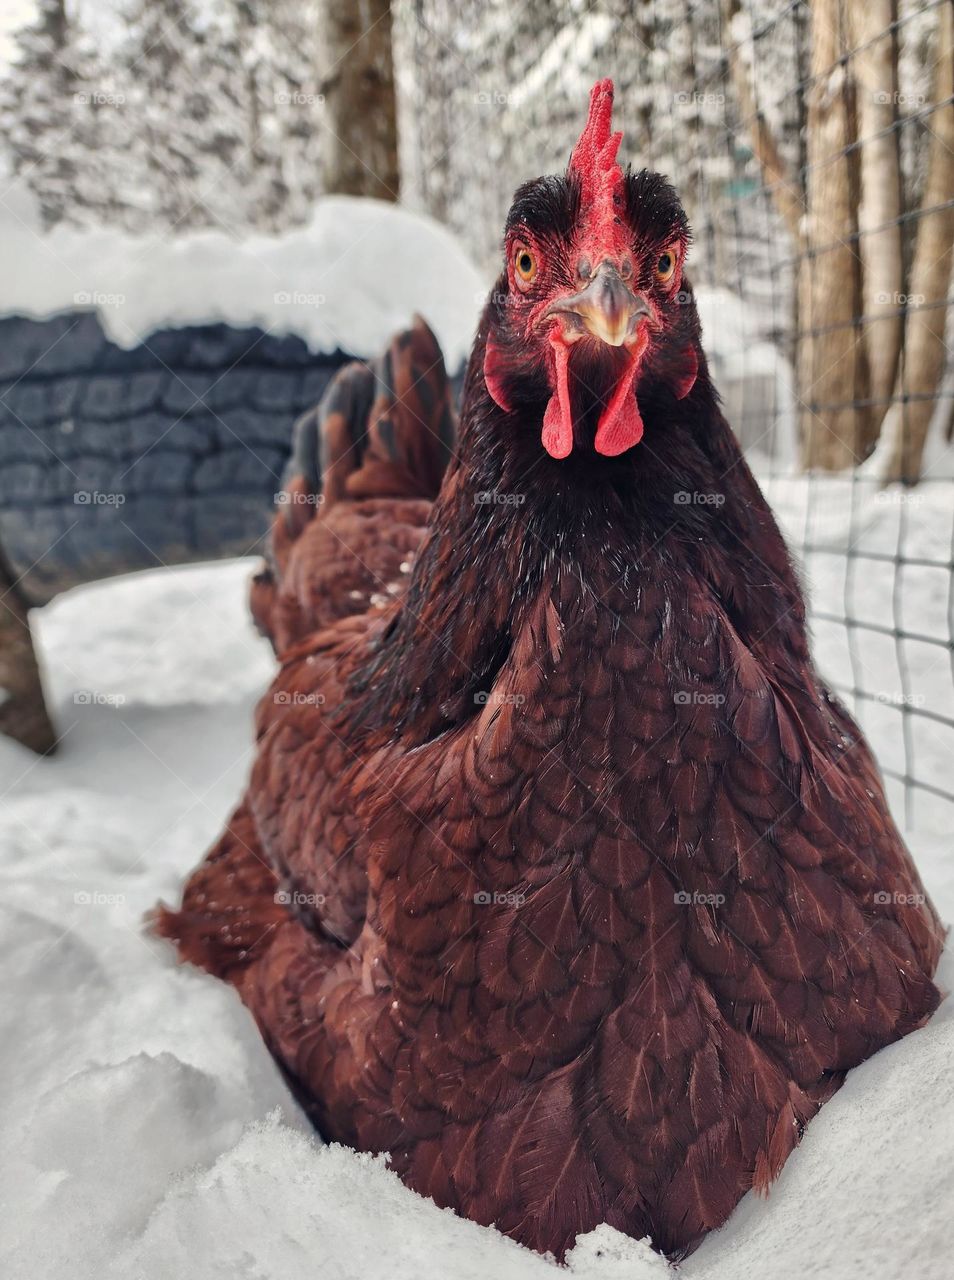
column 560, row 875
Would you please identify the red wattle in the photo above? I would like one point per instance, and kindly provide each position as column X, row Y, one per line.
column 621, row 424
column 557, row 434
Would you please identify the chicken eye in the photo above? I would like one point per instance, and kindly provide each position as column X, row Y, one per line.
column 665, row 266
column 525, row 264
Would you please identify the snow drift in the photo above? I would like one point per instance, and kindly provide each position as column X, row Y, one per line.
column 346, row 281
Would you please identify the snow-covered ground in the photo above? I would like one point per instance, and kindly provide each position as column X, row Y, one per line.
column 147, row 1135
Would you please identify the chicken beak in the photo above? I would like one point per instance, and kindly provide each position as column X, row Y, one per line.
column 607, row 309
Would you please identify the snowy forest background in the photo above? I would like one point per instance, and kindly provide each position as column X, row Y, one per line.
column 162, row 116
column 95, row 103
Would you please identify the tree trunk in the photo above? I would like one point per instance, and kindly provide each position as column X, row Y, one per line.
column 23, row 714
column 775, row 173
column 361, row 157
column 876, row 76
column 832, row 368
column 922, row 368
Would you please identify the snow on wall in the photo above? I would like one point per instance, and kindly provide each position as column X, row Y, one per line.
column 346, row 281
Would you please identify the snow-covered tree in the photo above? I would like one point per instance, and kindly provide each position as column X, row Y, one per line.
column 185, row 137
column 37, row 106
column 194, row 116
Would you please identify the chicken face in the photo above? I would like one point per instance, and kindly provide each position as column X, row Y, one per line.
column 591, row 304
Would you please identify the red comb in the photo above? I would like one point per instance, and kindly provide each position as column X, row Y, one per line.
column 594, row 156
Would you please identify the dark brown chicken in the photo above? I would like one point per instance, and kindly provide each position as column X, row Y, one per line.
column 560, row 876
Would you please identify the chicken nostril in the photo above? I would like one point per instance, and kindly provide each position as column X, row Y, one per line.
column 584, row 269
column 626, row 269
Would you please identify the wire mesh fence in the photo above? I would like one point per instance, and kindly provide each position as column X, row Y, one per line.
column 810, row 143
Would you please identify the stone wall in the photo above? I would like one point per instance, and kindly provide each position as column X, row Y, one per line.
column 114, row 460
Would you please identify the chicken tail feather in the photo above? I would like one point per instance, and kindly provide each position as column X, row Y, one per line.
column 381, row 432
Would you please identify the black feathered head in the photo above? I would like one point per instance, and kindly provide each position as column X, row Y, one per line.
column 591, row 303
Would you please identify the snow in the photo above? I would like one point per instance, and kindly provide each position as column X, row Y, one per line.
column 13, row 15
column 146, row 1132
column 753, row 376
column 834, row 515
column 565, row 60
column 346, row 281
